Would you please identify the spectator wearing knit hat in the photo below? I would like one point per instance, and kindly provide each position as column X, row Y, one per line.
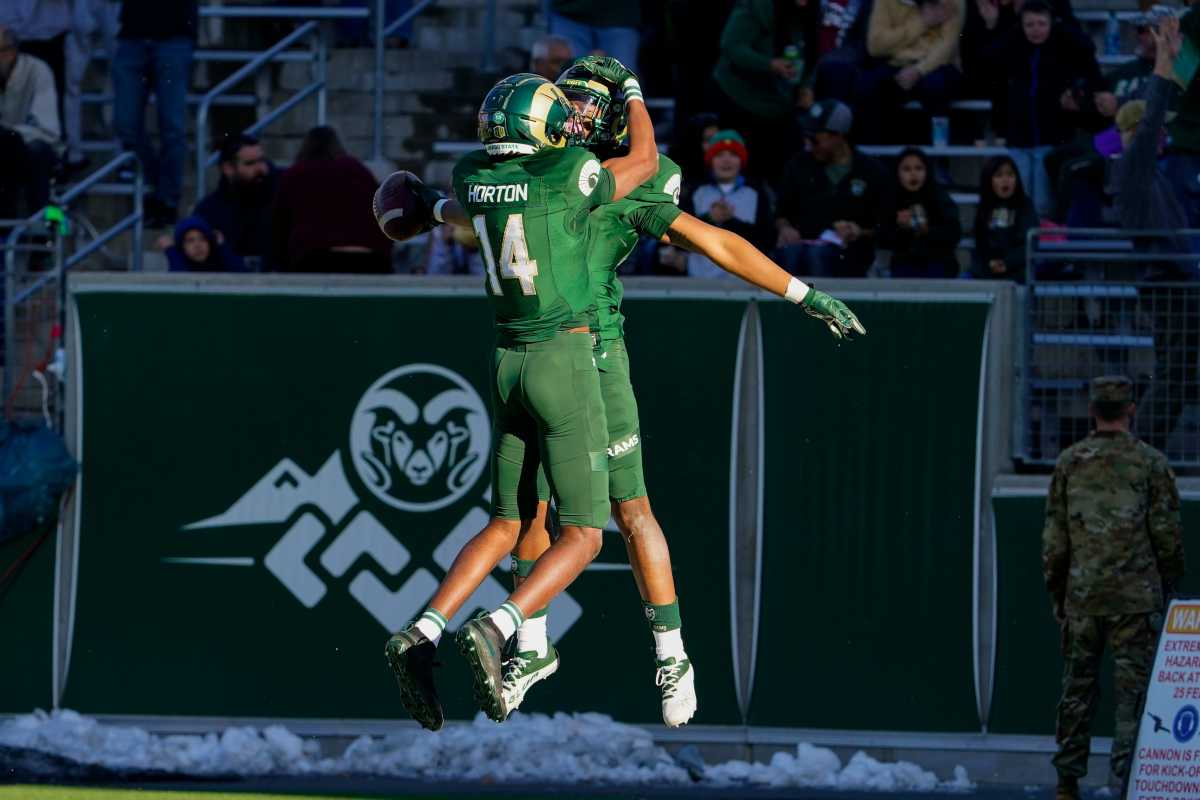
column 729, row 201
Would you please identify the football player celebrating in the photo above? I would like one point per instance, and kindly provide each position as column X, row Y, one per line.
column 601, row 90
column 528, row 196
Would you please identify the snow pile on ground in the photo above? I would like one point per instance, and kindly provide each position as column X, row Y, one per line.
column 534, row 748
column 243, row 751
column 818, row 767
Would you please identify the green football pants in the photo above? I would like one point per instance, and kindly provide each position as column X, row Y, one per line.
column 548, row 413
column 626, row 479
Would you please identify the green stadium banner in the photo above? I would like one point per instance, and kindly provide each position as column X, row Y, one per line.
column 869, row 504
column 1028, row 676
column 27, row 620
column 272, row 481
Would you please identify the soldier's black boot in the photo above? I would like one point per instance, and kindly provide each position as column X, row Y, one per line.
column 411, row 657
column 1068, row 788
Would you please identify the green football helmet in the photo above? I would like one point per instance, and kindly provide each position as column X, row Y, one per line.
column 525, row 113
column 602, row 117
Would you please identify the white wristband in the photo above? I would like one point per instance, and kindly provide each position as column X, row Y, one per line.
column 632, row 89
column 437, row 209
column 797, row 290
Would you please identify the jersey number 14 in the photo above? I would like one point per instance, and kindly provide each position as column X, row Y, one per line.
column 514, row 254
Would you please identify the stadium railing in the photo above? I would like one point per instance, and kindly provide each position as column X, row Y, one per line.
column 385, row 29
column 310, row 30
column 55, row 239
column 1098, row 302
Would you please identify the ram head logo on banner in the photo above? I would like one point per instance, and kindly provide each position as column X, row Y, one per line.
column 418, row 443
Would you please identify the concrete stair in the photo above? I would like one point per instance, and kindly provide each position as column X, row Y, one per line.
column 432, row 90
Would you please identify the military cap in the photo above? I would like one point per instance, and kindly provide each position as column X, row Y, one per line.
column 1112, row 389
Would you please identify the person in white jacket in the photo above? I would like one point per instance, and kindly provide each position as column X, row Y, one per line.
column 30, row 131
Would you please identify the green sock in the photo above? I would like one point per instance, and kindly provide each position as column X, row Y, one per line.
column 521, row 567
column 663, row 618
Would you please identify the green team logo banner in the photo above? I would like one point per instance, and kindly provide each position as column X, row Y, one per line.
column 272, row 483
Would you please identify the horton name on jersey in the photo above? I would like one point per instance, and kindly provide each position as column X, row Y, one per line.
column 504, row 193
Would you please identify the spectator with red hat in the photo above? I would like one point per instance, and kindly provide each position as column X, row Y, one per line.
column 729, row 201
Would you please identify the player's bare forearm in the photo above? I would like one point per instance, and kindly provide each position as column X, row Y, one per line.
column 729, row 251
column 738, row 257
column 632, row 170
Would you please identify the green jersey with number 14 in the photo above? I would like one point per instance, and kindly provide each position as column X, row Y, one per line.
column 530, row 214
column 613, row 233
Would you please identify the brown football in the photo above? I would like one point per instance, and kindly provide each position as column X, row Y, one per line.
column 398, row 209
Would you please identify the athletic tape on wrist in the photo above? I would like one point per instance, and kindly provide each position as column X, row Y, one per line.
column 437, row 209
column 797, row 290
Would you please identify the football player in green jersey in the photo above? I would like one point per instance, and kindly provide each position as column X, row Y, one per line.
column 528, row 197
column 593, row 84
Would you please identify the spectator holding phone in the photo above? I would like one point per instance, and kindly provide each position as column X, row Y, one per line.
column 920, row 222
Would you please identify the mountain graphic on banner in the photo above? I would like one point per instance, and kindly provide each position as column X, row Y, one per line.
column 285, row 488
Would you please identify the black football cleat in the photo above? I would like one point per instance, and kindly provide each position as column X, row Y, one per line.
column 411, row 657
column 482, row 645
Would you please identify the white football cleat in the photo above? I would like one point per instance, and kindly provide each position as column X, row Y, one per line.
column 521, row 671
column 678, row 682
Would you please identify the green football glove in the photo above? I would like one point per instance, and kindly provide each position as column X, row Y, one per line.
column 833, row 312
column 608, row 69
column 429, row 198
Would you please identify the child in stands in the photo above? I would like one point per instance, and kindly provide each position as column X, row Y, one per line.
column 1003, row 218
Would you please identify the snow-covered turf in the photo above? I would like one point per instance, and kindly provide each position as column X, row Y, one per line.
column 562, row 749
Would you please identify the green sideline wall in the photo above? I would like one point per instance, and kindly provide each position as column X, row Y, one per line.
column 190, row 396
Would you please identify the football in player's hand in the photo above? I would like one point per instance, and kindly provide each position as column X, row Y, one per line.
column 399, row 210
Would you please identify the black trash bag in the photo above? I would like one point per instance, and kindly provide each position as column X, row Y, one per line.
column 35, row 470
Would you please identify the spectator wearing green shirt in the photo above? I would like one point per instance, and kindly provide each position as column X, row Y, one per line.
column 768, row 55
column 610, row 27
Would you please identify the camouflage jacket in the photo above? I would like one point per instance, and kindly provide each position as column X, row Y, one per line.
column 1113, row 533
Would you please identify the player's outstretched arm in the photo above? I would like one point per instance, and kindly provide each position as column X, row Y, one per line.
column 640, row 165
column 738, row 257
column 439, row 209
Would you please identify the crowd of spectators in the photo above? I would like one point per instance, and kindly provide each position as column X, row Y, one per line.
column 804, row 86
column 801, row 85
column 807, row 84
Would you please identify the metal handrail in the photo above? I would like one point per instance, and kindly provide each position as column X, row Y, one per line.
column 1109, row 314
column 96, row 177
column 283, row 12
column 12, row 298
column 203, row 161
column 382, row 32
column 1035, row 253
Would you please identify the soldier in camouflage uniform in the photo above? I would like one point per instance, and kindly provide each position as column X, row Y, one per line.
column 1112, row 547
